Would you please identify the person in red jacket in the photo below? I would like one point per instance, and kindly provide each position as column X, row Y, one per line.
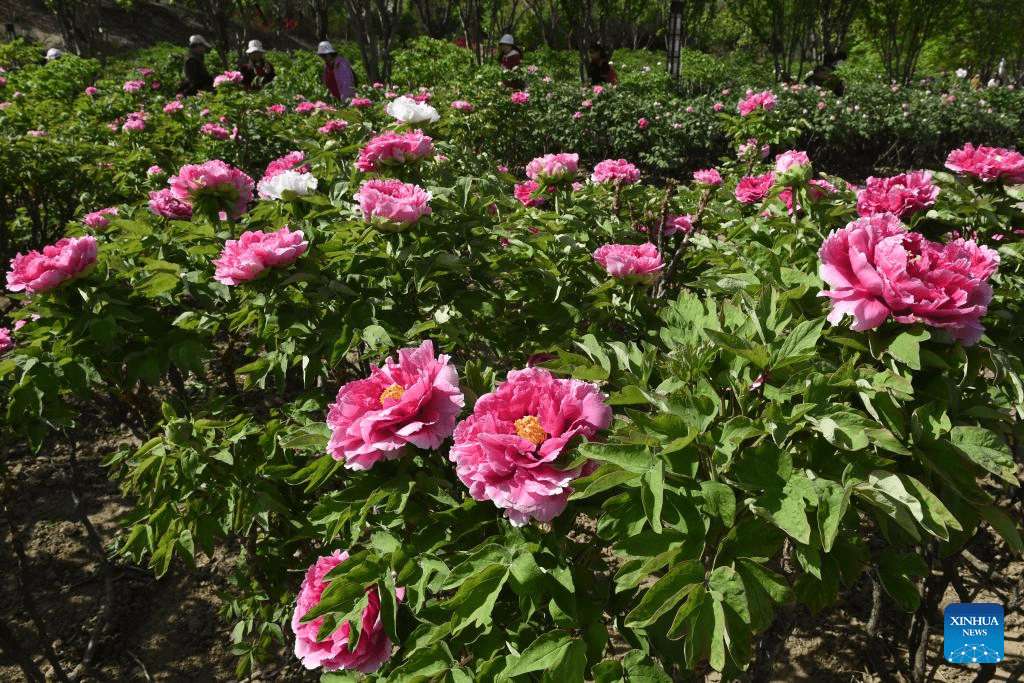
column 337, row 74
column 510, row 58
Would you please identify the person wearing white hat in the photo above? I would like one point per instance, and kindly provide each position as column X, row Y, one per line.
column 510, row 58
column 337, row 75
column 256, row 71
column 53, row 53
column 196, row 77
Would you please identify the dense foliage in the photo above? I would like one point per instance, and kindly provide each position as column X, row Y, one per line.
column 713, row 449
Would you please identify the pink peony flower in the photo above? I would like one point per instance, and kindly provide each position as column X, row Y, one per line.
column 708, row 177
column 333, row 652
column 6, row 342
column 677, row 223
column 97, row 220
column 172, row 107
column 164, row 203
column 792, row 166
column 553, row 168
column 577, row 115
column 392, row 205
column 520, row 97
column 333, row 126
column 248, row 257
column 361, row 102
column 292, row 161
column 903, row 195
column 37, row 272
column 611, row 170
column 276, row 109
column 877, row 268
column 717, row 106
column 524, row 192
column 412, row 402
column 750, row 150
column 394, row 149
column 90, row 90
column 754, row 101
column 816, row 189
column 510, row 450
column 133, row 86
column 215, row 130
column 990, row 164
column 641, row 123
column 36, row 133
column 154, row 170
column 213, row 187
column 597, row 89
column 462, row 105
column 752, row 189
column 136, row 122
column 227, row 78
column 633, row 263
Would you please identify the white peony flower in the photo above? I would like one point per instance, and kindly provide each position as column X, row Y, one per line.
column 408, row 110
column 287, row 185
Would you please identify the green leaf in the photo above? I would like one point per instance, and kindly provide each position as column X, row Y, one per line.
column 833, row 501
column 599, row 482
column 764, row 589
column 652, row 493
column 474, row 601
column 800, row 344
column 1004, row 526
column 632, row 458
column 376, row 337
column 719, row 501
column 609, row 671
column 906, row 348
column 666, row 593
column 640, row 668
column 897, row 573
column 728, row 583
column 788, row 511
column 987, row 449
column 755, row 353
column 543, row 653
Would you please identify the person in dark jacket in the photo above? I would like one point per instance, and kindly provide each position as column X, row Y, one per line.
column 511, row 56
column 196, row 77
column 599, row 68
column 255, row 69
column 337, row 75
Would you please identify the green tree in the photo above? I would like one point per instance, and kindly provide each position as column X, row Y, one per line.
column 899, row 30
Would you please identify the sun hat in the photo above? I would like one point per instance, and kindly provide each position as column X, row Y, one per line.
column 324, row 48
column 199, row 40
column 53, row 53
column 254, row 46
column 507, row 39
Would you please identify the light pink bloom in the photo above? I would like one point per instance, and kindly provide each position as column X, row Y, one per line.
column 333, row 652
column 816, row 189
column 611, row 170
column 821, row 105
column 227, row 78
column 213, row 186
column 462, row 105
column 248, row 257
column 586, row 103
column 790, row 160
column 553, row 168
column 412, row 402
column 597, row 89
column 677, row 223
column 752, row 189
column 520, row 97
column 577, row 116
column 990, row 164
column 641, row 123
column 877, row 268
column 378, row 85
column 97, row 220
column 763, row 100
column 133, row 86
column 634, row 263
column 708, row 177
column 903, row 195
column 392, row 205
column 136, row 122
column 717, row 106
column 215, row 130
column 36, row 133
column 164, row 203
column 37, row 272
column 333, row 126
column 89, row 90
column 304, row 107
column 154, row 170
column 172, row 107
column 145, row 71
column 6, row 342
column 750, row 149
column 292, row 161
column 362, row 101
column 512, row 448
column 524, row 192
column 394, row 149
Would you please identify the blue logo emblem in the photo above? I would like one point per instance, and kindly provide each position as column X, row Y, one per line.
column 973, row 633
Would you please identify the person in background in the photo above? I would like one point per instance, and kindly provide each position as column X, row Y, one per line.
column 53, row 53
column 824, row 75
column 337, row 74
column 511, row 56
column 599, row 68
column 256, row 70
column 196, row 77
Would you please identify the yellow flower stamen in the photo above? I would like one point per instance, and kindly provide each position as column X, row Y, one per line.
column 529, row 427
column 395, row 391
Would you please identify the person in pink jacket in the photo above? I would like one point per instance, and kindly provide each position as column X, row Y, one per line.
column 337, row 74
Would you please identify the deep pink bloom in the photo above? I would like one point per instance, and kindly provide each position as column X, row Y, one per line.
column 816, row 189
column 394, row 149
column 98, row 220
column 641, row 123
column 90, row 90
column 361, row 102
column 990, row 164
column 763, row 100
column 213, row 186
column 6, row 342
column 289, row 162
column 524, row 192
column 709, row 177
column 637, row 263
column 510, row 450
column 333, row 126
column 164, row 203
column 462, row 105
column 392, row 205
column 611, row 170
column 520, row 97
column 136, row 121
column 877, row 268
column 172, row 107
column 276, row 109
column 553, row 168
column 304, row 107
column 904, row 194
column 215, row 130
column 412, row 402
column 333, row 653
column 752, row 189
column 37, row 272
column 248, row 257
